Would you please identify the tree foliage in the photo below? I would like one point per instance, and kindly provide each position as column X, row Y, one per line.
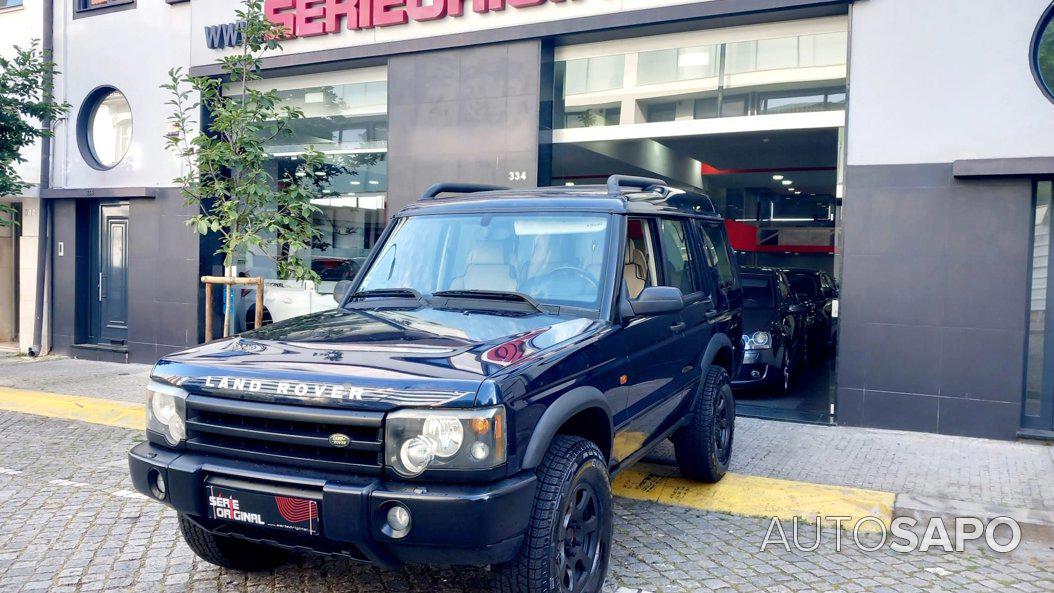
column 24, row 104
column 224, row 165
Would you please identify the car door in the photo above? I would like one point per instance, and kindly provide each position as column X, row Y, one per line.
column 652, row 344
column 659, row 350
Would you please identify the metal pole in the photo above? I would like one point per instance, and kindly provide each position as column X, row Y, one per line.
column 44, row 212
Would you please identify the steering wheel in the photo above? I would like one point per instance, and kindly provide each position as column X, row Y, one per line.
column 552, row 277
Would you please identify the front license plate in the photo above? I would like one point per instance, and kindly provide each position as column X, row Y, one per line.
column 299, row 515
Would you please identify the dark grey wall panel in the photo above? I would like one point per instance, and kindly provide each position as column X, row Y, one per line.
column 64, row 294
column 934, row 297
column 466, row 115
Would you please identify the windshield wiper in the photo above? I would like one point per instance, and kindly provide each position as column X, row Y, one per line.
column 397, row 293
column 496, row 295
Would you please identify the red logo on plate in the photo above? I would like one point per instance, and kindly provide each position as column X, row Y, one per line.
column 296, row 510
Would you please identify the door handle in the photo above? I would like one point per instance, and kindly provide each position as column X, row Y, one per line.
column 100, row 287
column 712, row 313
column 676, row 327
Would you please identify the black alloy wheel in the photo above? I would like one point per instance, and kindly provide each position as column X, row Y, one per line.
column 723, row 423
column 579, row 541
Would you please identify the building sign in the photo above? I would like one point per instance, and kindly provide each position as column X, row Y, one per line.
column 309, row 18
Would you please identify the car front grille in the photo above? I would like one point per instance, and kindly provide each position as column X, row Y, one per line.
column 287, row 435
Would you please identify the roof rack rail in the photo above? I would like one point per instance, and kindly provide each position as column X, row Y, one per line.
column 458, row 188
column 617, row 182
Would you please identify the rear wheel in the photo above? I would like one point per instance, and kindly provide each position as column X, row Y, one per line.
column 568, row 541
column 704, row 446
column 228, row 552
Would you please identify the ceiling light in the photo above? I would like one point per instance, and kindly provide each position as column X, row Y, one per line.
column 786, row 182
column 374, row 182
column 777, row 177
column 797, row 193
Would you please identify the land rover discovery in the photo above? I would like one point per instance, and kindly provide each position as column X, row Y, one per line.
column 501, row 355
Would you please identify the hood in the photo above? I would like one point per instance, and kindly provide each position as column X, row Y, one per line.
column 371, row 359
column 758, row 319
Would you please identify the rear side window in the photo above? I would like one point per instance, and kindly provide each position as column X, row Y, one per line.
column 716, row 241
column 676, row 256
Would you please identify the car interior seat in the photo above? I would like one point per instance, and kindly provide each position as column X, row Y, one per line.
column 488, row 269
column 635, row 266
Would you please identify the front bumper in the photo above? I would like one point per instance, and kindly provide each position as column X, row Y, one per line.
column 452, row 524
column 759, row 368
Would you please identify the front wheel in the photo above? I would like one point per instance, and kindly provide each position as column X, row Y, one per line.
column 704, row 447
column 228, row 552
column 568, row 541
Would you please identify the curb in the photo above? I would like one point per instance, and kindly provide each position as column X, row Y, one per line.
column 1037, row 525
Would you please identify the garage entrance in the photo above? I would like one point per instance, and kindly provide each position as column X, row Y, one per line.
column 777, row 191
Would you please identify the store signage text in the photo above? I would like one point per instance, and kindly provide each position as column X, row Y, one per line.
column 309, row 18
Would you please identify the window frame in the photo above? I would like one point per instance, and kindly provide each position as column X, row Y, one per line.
column 700, row 285
column 1046, row 21
column 13, row 7
column 82, row 9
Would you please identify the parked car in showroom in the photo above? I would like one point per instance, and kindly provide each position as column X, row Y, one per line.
column 502, row 355
column 816, row 292
column 774, row 338
column 285, row 299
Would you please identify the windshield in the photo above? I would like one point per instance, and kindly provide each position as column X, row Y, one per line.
column 757, row 292
column 554, row 258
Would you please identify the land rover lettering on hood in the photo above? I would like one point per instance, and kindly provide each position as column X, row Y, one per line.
column 501, row 355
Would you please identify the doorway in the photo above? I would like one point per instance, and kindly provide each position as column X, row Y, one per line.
column 109, row 271
column 1038, row 409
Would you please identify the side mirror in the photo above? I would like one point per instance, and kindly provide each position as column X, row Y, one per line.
column 341, row 290
column 657, row 300
column 795, row 308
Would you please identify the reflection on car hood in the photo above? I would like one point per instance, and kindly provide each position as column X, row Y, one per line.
column 758, row 319
column 375, row 359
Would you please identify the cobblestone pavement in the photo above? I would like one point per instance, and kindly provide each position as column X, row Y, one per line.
column 1011, row 474
column 68, row 522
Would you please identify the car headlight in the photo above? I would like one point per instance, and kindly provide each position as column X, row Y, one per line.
column 166, row 408
column 416, row 440
column 757, row 341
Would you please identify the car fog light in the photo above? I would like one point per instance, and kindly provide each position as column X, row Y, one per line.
column 157, row 485
column 399, row 521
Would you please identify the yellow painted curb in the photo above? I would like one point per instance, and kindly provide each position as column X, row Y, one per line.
column 759, row 497
column 735, row 494
column 74, row 407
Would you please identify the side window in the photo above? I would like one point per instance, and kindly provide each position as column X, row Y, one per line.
column 676, row 256
column 638, row 267
column 717, row 241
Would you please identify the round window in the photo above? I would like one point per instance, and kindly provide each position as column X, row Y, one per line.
column 1043, row 53
column 108, row 127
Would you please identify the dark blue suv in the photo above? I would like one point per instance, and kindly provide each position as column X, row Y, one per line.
column 501, row 354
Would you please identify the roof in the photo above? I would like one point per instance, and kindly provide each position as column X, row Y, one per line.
column 619, row 198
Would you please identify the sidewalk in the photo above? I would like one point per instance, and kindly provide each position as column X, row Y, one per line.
column 928, row 474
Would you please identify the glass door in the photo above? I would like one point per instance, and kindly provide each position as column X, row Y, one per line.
column 1038, row 409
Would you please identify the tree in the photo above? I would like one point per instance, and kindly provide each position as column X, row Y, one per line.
column 24, row 105
column 224, row 165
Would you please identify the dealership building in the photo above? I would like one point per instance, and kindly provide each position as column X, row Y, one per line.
column 904, row 147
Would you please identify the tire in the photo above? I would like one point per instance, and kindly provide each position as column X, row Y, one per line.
column 228, row 552
column 573, row 501
column 704, row 446
column 250, row 318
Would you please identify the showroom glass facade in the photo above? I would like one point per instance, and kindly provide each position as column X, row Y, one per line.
column 1039, row 389
column 683, row 81
column 345, row 118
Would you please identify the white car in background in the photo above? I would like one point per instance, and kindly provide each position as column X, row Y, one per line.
column 285, row 299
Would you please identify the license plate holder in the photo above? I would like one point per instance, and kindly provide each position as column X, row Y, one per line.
column 279, row 509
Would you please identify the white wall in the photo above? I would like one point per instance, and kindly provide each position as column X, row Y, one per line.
column 939, row 80
column 132, row 51
column 19, row 26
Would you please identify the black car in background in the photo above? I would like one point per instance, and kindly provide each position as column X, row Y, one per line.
column 774, row 338
column 816, row 292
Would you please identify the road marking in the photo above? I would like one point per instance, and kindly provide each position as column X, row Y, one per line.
column 9, row 472
column 736, row 494
column 755, row 496
column 74, row 407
